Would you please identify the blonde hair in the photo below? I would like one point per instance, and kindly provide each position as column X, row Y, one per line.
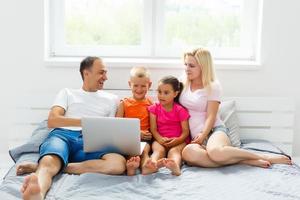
column 204, row 59
column 139, row 72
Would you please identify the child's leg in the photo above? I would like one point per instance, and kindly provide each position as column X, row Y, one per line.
column 174, row 159
column 145, row 156
column 158, row 152
column 132, row 164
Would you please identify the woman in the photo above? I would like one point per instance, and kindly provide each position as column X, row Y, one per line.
column 211, row 146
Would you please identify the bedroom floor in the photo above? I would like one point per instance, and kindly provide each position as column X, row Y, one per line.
column 5, row 163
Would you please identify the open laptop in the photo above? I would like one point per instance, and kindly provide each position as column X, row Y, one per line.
column 122, row 133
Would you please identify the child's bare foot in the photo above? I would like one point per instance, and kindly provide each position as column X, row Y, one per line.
column 132, row 164
column 149, row 167
column 172, row 165
column 26, row 167
column 161, row 163
column 257, row 163
column 277, row 159
column 31, row 189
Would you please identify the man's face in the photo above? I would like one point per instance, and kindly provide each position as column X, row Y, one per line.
column 96, row 75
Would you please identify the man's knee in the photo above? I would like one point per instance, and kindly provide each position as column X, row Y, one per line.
column 116, row 162
column 52, row 163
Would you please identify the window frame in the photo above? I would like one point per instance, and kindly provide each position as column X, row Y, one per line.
column 151, row 35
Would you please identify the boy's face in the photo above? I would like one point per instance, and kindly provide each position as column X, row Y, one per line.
column 139, row 87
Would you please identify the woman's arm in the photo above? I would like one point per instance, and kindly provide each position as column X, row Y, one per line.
column 212, row 110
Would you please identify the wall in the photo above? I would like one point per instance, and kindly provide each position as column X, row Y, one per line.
column 23, row 69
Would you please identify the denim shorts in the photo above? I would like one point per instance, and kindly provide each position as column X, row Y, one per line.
column 217, row 130
column 68, row 146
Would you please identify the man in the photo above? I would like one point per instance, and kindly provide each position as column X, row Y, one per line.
column 64, row 144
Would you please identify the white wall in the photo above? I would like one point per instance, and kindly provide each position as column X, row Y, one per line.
column 23, row 69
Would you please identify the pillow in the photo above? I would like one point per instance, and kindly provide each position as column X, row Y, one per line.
column 228, row 115
column 33, row 144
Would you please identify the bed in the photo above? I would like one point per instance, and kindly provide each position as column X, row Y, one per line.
column 265, row 126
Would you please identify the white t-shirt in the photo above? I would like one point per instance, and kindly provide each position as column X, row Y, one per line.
column 196, row 103
column 79, row 103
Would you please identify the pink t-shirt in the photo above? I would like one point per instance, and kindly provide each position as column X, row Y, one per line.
column 169, row 123
column 196, row 103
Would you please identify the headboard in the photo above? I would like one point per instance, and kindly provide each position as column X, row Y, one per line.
column 269, row 118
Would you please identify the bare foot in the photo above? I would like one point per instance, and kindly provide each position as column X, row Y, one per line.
column 257, row 163
column 161, row 163
column 149, row 167
column 132, row 164
column 277, row 159
column 31, row 189
column 172, row 165
column 26, row 167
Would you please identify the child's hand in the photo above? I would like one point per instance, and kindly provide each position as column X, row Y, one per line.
column 163, row 140
column 146, row 135
column 199, row 139
column 172, row 142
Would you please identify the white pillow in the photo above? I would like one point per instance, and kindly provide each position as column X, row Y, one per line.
column 228, row 115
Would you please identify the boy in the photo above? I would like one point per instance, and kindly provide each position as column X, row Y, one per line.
column 136, row 107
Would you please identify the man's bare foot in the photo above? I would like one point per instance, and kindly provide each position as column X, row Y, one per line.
column 257, row 163
column 172, row 165
column 132, row 164
column 149, row 167
column 277, row 159
column 26, row 167
column 30, row 189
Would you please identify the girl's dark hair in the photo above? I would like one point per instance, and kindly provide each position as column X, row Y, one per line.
column 87, row 63
column 175, row 83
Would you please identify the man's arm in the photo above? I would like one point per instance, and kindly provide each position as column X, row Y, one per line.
column 57, row 118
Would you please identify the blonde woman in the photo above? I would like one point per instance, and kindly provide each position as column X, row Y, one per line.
column 210, row 146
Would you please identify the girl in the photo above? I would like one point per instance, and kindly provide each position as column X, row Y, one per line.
column 210, row 146
column 169, row 126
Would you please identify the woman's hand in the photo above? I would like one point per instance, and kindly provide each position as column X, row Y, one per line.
column 199, row 139
column 146, row 135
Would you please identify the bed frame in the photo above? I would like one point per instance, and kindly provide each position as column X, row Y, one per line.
column 269, row 118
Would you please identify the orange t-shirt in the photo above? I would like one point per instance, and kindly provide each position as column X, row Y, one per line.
column 138, row 109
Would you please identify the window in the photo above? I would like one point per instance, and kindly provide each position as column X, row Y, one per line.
column 154, row 28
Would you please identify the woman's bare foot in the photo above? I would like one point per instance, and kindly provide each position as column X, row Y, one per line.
column 30, row 189
column 257, row 163
column 132, row 164
column 149, row 167
column 277, row 159
column 26, row 167
column 172, row 165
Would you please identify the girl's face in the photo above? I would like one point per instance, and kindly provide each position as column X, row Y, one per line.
column 166, row 94
column 192, row 68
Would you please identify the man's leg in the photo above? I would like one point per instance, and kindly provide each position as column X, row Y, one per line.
column 111, row 163
column 36, row 185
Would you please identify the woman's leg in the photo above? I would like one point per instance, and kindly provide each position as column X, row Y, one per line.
column 158, row 152
column 196, row 155
column 219, row 149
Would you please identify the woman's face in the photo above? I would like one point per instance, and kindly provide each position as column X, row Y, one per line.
column 192, row 68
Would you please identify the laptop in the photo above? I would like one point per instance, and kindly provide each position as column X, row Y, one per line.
column 122, row 133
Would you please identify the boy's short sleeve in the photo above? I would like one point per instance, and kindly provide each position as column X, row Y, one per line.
column 152, row 109
column 215, row 93
column 61, row 99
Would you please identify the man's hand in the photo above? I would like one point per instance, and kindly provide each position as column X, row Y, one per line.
column 199, row 139
column 146, row 135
